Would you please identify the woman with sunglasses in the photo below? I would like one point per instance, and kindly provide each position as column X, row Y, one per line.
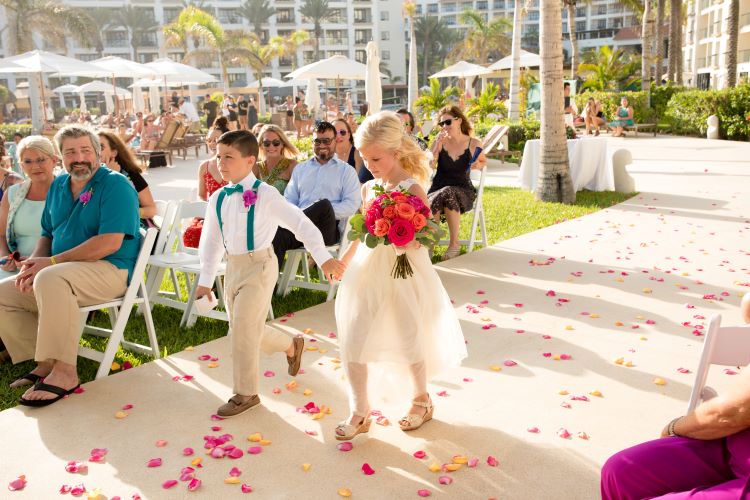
column 452, row 192
column 276, row 159
column 150, row 133
column 345, row 150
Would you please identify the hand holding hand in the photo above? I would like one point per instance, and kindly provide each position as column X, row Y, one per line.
column 333, row 269
column 29, row 270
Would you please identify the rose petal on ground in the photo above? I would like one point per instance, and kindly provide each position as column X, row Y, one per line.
column 127, row 407
column 660, row 381
column 212, row 365
column 442, row 393
column 533, row 430
column 518, row 305
column 65, row 488
column 75, row 467
column 420, row 454
column 120, row 414
column 729, row 371
column 550, row 293
column 460, row 459
column 79, row 390
column 451, row 467
column 169, row 484
column 218, row 452
column 435, row 467
column 186, row 474
column 509, row 362
column 583, row 435
column 161, row 443
column 265, row 442
column 236, row 453
column 492, row 461
column 215, row 428
column 291, row 385
column 495, row 368
column 598, row 394
column 255, row 437
column 424, row 493
column 246, row 488
column 563, row 433
column 17, row 484
column 78, row 490
column 97, row 455
column 276, row 390
column 344, row 492
column 345, row 446
column 306, row 467
column 154, row 462
column 235, row 472
column 269, row 373
column 381, row 420
column 683, row 370
column 232, row 480
column 196, row 462
column 255, row 450
column 194, row 484
column 187, row 452
column 369, row 471
column 473, row 462
column 216, row 417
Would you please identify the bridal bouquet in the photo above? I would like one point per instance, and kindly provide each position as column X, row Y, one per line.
column 395, row 218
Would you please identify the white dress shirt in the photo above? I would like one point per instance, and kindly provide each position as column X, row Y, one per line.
column 189, row 111
column 271, row 211
column 335, row 181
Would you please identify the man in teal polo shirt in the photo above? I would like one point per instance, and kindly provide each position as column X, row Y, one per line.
column 90, row 242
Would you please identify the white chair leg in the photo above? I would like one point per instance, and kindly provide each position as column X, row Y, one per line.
column 292, row 264
column 473, row 232
column 118, row 329
column 150, row 329
column 483, row 228
column 192, row 284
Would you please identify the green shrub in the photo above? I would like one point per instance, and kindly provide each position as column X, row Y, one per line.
column 688, row 111
column 642, row 113
column 305, row 147
column 660, row 96
column 10, row 129
column 521, row 131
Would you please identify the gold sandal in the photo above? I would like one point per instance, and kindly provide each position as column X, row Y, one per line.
column 451, row 252
column 412, row 421
column 348, row 431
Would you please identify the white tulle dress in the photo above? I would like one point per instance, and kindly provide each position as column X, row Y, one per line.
column 381, row 319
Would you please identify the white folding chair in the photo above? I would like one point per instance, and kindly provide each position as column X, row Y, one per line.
column 477, row 211
column 119, row 313
column 724, row 345
column 289, row 276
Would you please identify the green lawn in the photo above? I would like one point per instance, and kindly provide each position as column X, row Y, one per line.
column 509, row 212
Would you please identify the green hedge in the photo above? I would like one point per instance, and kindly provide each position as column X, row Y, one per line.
column 8, row 130
column 688, row 111
column 642, row 113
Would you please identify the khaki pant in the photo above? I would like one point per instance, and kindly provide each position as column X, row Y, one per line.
column 46, row 324
column 248, row 284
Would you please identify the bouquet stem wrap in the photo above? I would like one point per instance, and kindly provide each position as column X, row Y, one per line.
column 402, row 268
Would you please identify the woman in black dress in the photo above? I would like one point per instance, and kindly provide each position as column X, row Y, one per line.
column 452, row 192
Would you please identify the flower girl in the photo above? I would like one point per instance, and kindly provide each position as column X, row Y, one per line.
column 407, row 325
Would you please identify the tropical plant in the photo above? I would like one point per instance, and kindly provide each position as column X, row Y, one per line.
column 483, row 38
column 138, row 21
column 291, row 43
column 733, row 26
column 433, row 99
column 486, row 103
column 258, row 56
column 434, row 41
column 554, row 183
column 53, row 21
column 257, row 12
column 607, row 69
column 101, row 19
column 317, row 11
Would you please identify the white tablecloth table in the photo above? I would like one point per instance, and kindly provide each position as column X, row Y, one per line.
column 590, row 164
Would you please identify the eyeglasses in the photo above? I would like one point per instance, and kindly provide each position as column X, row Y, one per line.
column 446, row 123
column 325, row 141
column 342, row 132
column 38, row 161
column 276, row 143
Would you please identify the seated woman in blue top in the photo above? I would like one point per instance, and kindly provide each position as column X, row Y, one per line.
column 22, row 204
column 624, row 118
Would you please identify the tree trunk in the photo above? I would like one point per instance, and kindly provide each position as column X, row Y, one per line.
column 659, row 40
column 674, row 44
column 425, row 60
column 573, row 37
column 554, row 183
column 678, row 52
column 514, row 111
column 646, row 40
column 317, row 40
column 730, row 57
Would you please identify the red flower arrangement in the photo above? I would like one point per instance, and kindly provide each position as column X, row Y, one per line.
column 395, row 218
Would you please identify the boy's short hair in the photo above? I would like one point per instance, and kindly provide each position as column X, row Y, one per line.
column 241, row 140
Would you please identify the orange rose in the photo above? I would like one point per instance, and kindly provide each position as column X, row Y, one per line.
column 419, row 221
column 399, row 198
column 404, row 211
column 382, row 226
column 389, row 212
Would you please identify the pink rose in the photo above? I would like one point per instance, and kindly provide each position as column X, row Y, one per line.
column 405, row 211
column 381, row 227
column 85, row 197
column 390, row 212
column 249, row 198
column 419, row 221
column 416, row 202
column 401, row 232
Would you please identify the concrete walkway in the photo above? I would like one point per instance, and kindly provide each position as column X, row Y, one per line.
column 545, row 315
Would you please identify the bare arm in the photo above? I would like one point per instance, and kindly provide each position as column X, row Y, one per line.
column 146, row 203
column 722, row 416
column 4, row 207
column 481, row 160
column 202, row 193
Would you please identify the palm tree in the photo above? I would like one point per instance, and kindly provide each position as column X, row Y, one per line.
column 659, row 40
column 187, row 27
column 226, row 47
column 52, row 20
column 486, row 103
column 647, row 31
column 730, row 56
column 483, row 37
column 410, row 9
column 607, row 69
column 101, row 19
column 258, row 56
column 434, row 40
column 515, row 70
column 554, row 183
column 138, row 21
column 317, row 11
column 675, row 41
column 571, row 6
column 432, row 100
column 291, row 43
column 257, row 12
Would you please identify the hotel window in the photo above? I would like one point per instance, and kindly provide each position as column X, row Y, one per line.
column 386, row 55
column 385, row 35
column 384, row 16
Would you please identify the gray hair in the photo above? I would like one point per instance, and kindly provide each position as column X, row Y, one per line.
column 37, row 143
column 76, row 131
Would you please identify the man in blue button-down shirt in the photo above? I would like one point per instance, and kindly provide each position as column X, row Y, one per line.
column 325, row 188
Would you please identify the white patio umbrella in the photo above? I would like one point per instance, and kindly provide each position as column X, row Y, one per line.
column 526, row 60
column 312, row 96
column 297, row 82
column 266, row 83
column 10, row 67
column 83, row 106
column 335, row 67
column 373, row 89
column 175, row 72
column 99, row 86
column 122, row 68
column 461, row 69
column 153, row 98
column 62, row 89
column 138, row 103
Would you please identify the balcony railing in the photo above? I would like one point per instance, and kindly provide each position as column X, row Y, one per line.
column 745, row 19
column 117, row 43
column 743, row 56
column 334, row 41
column 700, row 62
column 594, row 34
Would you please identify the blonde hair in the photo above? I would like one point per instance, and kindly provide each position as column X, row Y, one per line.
column 387, row 130
column 288, row 150
column 38, row 143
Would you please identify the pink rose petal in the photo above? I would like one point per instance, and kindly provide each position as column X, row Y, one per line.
column 269, row 373
column 369, row 471
column 65, row 488
column 246, row 488
column 423, row 493
column 79, row 390
column 473, row 462
column 492, row 461
column 420, row 454
column 442, row 394
column 563, row 433
column 345, row 446
column 97, row 455
column 216, row 417
column 187, row 452
column 204, row 357
column 236, row 453
column 17, row 484
column 255, row 450
column 509, row 362
column 161, row 443
column 445, row 480
column 127, row 407
column 235, row 472
column 169, row 484
column 154, row 462
column 75, row 467
column 683, row 370
column 551, row 293
column 194, row 484
column 218, row 452
column 533, row 430
column 78, row 490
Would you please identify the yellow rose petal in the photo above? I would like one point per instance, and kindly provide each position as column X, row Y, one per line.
column 660, row 381
column 255, row 438
column 232, row 480
column 597, row 394
column 344, row 492
column 452, row 467
column 196, row 461
column 213, row 365
column 563, row 392
column 322, row 351
column 647, row 290
column 619, row 323
column 308, row 331
column 121, row 414
column 306, row 392
column 305, row 467
column 594, row 315
column 460, row 459
column 569, row 327
column 556, row 357
column 639, row 317
column 317, row 416
column 495, row 368
column 190, row 348
column 629, row 364
column 643, row 338
column 311, row 348
column 291, row 385
column 115, row 366
column 265, row 442
column 619, row 280
column 435, row 467
column 619, row 361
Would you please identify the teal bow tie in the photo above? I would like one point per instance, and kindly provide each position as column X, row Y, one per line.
column 230, row 190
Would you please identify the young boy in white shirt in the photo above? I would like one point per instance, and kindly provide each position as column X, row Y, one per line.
column 242, row 219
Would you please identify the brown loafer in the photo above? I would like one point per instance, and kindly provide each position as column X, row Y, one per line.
column 296, row 361
column 237, row 405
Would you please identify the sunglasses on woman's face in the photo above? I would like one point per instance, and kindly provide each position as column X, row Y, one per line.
column 342, row 132
column 276, row 143
column 445, row 123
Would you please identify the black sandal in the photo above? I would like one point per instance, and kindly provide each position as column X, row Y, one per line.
column 52, row 389
column 33, row 378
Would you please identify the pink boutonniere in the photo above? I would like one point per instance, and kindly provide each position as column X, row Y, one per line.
column 85, row 197
column 249, row 197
